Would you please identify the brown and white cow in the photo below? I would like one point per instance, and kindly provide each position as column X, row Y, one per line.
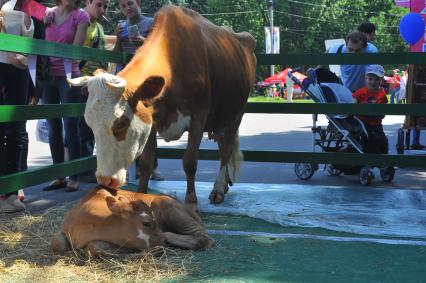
column 112, row 221
column 189, row 75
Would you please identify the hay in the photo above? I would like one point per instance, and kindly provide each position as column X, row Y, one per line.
column 25, row 256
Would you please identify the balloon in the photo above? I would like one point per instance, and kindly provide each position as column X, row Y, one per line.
column 412, row 28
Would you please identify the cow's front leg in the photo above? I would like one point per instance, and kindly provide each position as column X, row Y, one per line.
column 190, row 160
column 146, row 161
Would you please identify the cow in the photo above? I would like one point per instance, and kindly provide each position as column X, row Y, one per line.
column 189, row 75
column 112, row 221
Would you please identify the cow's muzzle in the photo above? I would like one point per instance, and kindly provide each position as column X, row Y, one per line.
column 109, row 181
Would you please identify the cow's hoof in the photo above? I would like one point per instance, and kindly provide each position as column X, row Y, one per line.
column 226, row 188
column 216, row 197
column 59, row 244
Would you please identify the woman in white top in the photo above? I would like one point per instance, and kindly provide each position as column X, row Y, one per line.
column 14, row 82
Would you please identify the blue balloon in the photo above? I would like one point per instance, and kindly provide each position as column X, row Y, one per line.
column 412, row 28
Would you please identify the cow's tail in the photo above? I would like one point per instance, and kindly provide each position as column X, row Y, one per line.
column 235, row 160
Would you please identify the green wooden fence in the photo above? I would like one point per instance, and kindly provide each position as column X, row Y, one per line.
column 31, row 177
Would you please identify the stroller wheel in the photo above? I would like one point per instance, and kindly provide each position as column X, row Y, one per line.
column 365, row 176
column 304, row 171
column 387, row 174
column 400, row 142
column 334, row 171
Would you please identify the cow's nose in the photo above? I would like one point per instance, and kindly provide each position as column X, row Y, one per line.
column 108, row 181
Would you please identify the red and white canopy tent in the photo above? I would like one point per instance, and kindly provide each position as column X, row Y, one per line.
column 282, row 76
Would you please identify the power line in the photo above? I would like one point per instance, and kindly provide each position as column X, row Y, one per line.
column 328, row 7
column 317, row 19
column 230, row 13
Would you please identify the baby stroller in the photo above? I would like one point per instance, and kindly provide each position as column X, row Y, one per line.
column 344, row 133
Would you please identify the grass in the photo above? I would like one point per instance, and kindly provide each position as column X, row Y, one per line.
column 25, row 256
column 277, row 100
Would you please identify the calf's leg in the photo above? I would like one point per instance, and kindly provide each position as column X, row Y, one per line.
column 98, row 248
column 188, row 241
column 59, row 243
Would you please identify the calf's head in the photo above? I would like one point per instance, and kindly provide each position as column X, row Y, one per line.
column 140, row 227
column 120, row 123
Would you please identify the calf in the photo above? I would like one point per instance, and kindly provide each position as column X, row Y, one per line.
column 111, row 221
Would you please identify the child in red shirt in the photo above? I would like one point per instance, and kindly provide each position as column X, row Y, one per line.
column 377, row 141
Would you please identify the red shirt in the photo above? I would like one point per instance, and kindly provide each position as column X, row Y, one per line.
column 364, row 95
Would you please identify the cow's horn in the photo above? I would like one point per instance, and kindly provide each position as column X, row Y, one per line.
column 116, row 83
column 80, row 81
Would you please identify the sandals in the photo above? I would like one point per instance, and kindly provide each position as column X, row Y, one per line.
column 72, row 186
column 56, row 185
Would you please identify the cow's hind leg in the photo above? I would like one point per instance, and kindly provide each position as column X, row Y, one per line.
column 99, row 248
column 146, row 161
column 230, row 159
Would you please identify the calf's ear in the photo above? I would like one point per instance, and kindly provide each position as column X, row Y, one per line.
column 113, row 204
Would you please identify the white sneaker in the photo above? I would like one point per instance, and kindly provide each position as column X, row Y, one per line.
column 6, row 207
column 16, row 202
column 11, row 204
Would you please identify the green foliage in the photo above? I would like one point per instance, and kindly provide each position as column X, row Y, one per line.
column 304, row 24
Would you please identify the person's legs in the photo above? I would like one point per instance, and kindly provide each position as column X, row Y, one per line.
column 56, row 142
column 71, row 95
column 289, row 83
column 416, row 140
column 382, row 140
column 392, row 97
column 14, row 135
column 86, row 134
column 87, row 143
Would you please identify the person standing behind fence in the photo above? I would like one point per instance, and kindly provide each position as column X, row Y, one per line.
column 13, row 135
column 131, row 34
column 353, row 76
column 14, row 81
column 65, row 23
column 369, row 30
column 95, row 38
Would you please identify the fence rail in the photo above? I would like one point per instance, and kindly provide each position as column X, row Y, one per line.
column 31, row 177
column 26, row 112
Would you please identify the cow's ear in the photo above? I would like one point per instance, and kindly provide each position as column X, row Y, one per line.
column 150, row 88
column 114, row 205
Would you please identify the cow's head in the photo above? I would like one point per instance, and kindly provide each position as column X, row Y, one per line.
column 140, row 227
column 121, row 124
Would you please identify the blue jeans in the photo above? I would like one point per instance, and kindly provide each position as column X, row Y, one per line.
column 56, row 91
column 416, row 137
column 87, row 139
column 14, row 84
column 393, row 93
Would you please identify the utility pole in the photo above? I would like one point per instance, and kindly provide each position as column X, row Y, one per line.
column 271, row 21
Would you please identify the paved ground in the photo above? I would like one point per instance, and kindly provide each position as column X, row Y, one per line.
column 258, row 132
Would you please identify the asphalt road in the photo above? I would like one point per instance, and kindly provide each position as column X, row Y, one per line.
column 286, row 132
